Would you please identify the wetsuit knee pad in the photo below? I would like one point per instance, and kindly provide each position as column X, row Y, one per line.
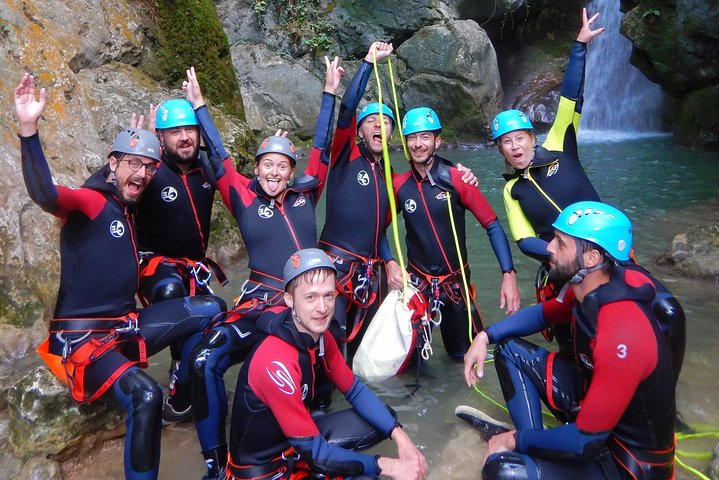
column 145, row 402
column 208, row 305
column 167, row 289
column 505, row 466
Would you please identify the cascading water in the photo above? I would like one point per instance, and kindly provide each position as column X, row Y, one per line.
column 617, row 96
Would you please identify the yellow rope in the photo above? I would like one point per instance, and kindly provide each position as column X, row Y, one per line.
column 388, row 176
column 468, row 300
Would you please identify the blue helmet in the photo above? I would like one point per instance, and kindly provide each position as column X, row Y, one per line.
column 374, row 108
column 509, row 121
column 422, row 119
column 599, row 223
column 175, row 113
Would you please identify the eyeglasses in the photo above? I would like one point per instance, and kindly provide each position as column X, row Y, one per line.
column 135, row 165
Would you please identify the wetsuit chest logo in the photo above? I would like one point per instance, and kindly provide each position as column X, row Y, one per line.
column 169, row 194
column 265, row 212
column 553, row 169
column 206, row 185
column 299, row 202
column 586, row 361
column 281, row 377
column 305, row 389
column 442, row 196
column 363, row 178
column 117, row 229
column 410, row 206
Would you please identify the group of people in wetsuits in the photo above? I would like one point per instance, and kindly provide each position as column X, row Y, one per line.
column 145, row 217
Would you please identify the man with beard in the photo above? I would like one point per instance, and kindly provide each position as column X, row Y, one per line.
column 609, row 429
column 173, row 223
column 98, row 340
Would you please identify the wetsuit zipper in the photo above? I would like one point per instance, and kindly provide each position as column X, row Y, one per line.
column 528, row 176
column 431, row 224
column 194, row 212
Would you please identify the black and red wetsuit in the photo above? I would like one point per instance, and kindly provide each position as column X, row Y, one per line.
column 357, row 216
column 616, row 400
column 173, row 222
column 270, row 415
column 98, row 282
column 273, row 229
column 432, row 256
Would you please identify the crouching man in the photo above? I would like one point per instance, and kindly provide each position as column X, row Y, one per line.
column 272, row 430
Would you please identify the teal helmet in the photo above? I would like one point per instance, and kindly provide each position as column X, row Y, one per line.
column 136, row 141
column 598, row 223
column 305, row 260
column 422, row 119
column 374, row 108
column 509, row 121
column 277, row 144
column 175, row 113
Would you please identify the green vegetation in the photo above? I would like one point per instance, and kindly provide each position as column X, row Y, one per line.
column 191, row 34
column 301, row 20
column 651, row 11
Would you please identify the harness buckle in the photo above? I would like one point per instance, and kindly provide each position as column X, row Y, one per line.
column 132, row 326
column 204, row 280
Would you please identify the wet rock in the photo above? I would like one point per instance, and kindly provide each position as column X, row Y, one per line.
column 453, row 69
column 698, row 124
column 46, row 422
column 10, row 464
column 539, row 98
column 41, row 469
column 714, row 465
column 694, row 253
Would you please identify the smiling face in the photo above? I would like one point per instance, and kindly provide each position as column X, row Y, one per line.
column 422, row 145
column 370, row 131
column 313, row 300
column 274, row 172
column 130, row 184
column 517, row 148
column 180, row 144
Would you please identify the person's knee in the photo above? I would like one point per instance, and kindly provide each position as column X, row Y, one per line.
column 204, row 355
column 207, row 305
column 168, row 289
column 505, row 466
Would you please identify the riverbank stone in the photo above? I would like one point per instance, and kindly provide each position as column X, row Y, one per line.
column 44, row 420
column 694, row 253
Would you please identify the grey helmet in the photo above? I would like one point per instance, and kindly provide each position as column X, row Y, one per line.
column 305, row 260
column 137, row 141
column 277, row 144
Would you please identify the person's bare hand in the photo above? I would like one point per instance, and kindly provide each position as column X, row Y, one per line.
column 503, row 442
column 333, row 75
column 378, row 51
column 586, row 34
column 192, row 89
column 474, row 359
column 29, row 107
column 468, row 176
column 509, row 298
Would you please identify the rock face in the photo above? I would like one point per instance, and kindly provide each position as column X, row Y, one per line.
column 46, row 422
column 695, row 253
column 676, row 44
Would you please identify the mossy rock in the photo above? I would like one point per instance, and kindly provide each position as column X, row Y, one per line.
column 190, row 34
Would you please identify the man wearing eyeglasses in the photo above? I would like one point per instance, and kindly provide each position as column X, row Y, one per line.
column 98, row 340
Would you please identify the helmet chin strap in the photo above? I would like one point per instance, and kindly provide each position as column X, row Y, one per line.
column 581, row 273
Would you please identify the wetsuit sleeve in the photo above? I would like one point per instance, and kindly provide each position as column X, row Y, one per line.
column 518, row 223
column 524, row 322
column 383, row 248
column 353, row 95
column 233, row 186
column 322, row 143
column 473, row 200
column 534, row 247
column 571, row 100
column 623, row 349
column 54, row 199
column 500, row 246
column 217, row 153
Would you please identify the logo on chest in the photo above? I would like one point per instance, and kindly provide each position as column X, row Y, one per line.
column 265, row 212
column 442, row 196
column 586, row 361
column 169, row 194
column 305, row 389
column 410, row 206
column 117, row 229
column 553, row 169
column 363, row 178
column 299, row 202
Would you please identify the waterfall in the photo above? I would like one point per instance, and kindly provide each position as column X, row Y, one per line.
column 617, row 96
